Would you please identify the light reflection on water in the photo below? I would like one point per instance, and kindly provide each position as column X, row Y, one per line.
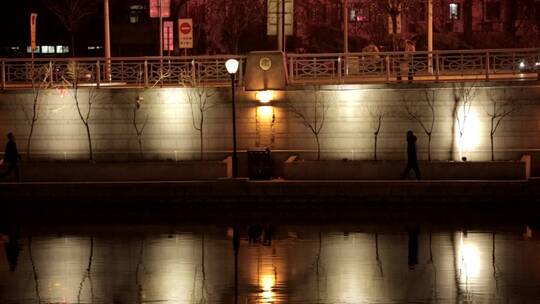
column 292, row 264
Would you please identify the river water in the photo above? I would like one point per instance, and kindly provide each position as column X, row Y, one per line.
column 274, row 264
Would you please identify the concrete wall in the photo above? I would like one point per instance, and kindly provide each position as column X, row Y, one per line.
column 347, row 131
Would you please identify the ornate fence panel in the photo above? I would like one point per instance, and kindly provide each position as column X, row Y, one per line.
column 302, row 68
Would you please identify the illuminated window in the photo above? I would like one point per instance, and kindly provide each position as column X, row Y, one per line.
column 48, row 49
column 62, row 49
column 37, row 50
column 453, row 11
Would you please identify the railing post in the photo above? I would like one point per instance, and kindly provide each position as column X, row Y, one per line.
column 3, row 75
column 145, row 73
column 51, row 71
column 193, row 72
column 387, row 59
column 437, row 67
column 487, row 65
column 291, row 69
column 98, row 74
column 340, row 79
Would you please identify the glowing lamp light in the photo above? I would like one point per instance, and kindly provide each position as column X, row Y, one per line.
column 232, row 66
column 522, row 65
column 264, row 96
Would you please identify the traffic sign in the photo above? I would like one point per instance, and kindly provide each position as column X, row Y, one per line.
column 185, row 32
column 33, row 19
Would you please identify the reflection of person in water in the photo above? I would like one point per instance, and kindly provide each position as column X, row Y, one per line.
column 13, row 248
column 413, row 246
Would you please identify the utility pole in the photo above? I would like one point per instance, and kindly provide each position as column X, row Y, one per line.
column 161, row 28
column 346, row 34
column 107, row 40
column 280, row 30
column 345, row 28
column 430, row 34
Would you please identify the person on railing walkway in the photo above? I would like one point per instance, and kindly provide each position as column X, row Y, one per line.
column 11, row 157
column 410, row 49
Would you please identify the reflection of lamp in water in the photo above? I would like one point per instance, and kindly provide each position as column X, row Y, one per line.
column 469, row 257
column 267, row 283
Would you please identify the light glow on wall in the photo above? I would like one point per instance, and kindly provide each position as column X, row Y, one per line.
column 469, row 124
column 264, row 96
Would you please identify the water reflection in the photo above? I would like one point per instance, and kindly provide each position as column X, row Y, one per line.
column 263, row 264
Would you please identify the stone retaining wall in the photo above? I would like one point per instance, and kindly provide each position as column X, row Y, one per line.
column 350, row 118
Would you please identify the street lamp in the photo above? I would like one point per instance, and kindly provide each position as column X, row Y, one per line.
column 232, row 68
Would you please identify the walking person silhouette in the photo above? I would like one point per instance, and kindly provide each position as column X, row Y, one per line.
column 412, row 161
column 11, row 157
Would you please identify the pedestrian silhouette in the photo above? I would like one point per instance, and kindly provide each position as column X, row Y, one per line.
column 13, row 248
column 11, row 157
column 412, row 258
column 412, row 161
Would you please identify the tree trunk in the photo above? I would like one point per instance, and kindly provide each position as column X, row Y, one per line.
column 90, row 151
column 139, row 140
column 375, row 147
column 28, row 153
column 429, row 148
column 201, row 137
column 395, row 45
column 467, row 20
column 492, row 152
column 318, row 147
column 72, row 43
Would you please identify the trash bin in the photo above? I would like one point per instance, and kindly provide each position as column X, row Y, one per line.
column 259, row 163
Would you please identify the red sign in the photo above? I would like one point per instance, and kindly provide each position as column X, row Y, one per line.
column 33, row 20
column 168, row 36
column 185, row 28
column 165, row 8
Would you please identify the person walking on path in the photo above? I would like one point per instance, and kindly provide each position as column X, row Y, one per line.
column 412, row 161
column 11, row 157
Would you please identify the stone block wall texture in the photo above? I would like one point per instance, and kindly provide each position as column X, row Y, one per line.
column 350, row 118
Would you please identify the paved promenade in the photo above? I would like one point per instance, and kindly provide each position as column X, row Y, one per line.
column 228, row 198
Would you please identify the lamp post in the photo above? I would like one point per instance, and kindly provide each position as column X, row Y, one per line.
column 232, row 68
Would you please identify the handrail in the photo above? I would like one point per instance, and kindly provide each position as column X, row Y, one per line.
column 325, row 68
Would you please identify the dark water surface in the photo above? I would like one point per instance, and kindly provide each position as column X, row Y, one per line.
column 288, row 264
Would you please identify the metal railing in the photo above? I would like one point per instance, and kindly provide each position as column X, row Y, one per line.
column 339, row 68
column 418, row 66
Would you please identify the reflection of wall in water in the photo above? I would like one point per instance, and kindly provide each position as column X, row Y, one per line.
column 298, row 266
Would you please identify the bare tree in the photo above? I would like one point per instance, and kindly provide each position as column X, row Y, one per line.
column 138, row 124
column 463, row 95
column 417, row 113
column 501, row 106
column 201, row 100
column 313, row 115
column 71, row 79
column 40, row 80
column 72, row 14
column 87, row 274
column 394, row 9
column 237, row 17
column 377, row 114
column 84, row 115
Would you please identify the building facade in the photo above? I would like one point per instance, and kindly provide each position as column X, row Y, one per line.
column 240, row 26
